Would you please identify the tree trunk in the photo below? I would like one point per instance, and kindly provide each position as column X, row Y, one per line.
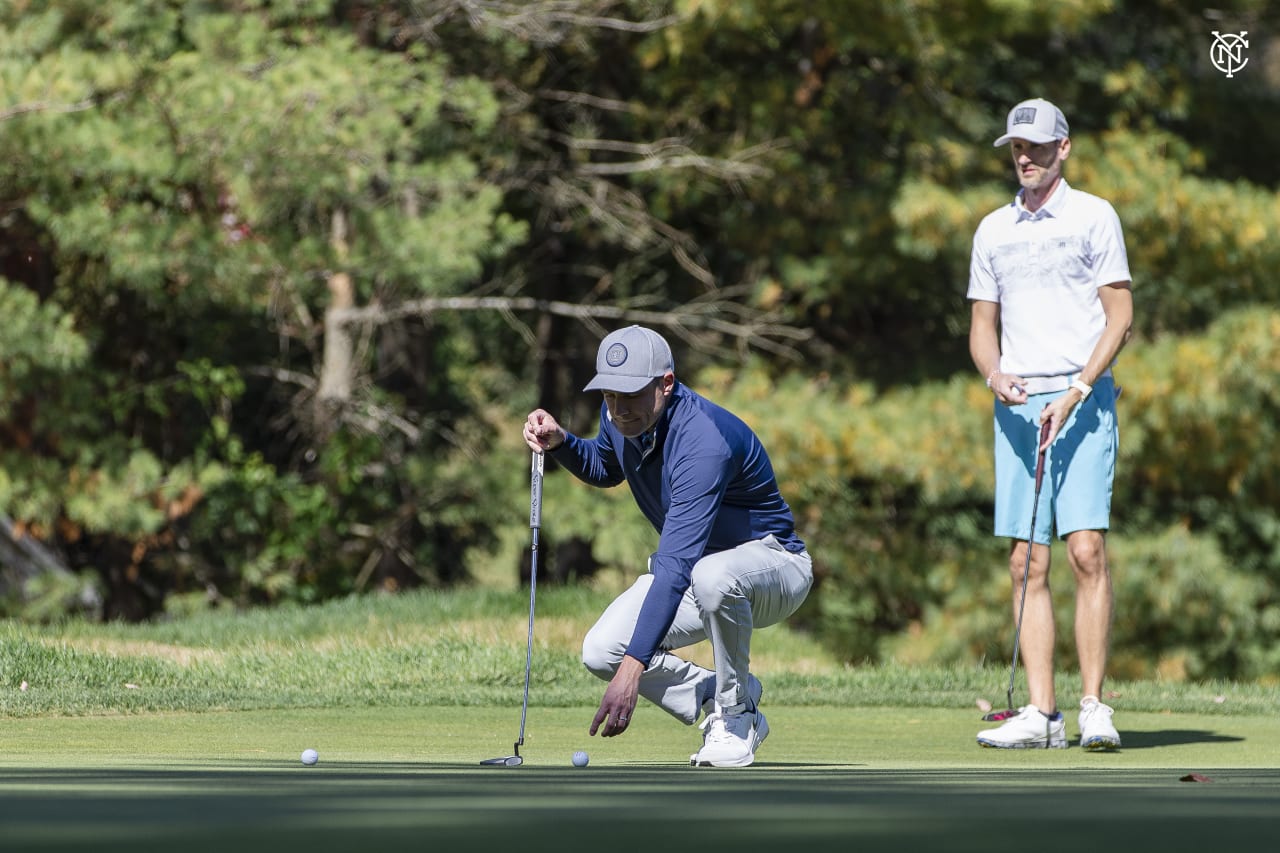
column 335, row 376
column 336, row 373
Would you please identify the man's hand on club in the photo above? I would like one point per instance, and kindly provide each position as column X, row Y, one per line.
column 542, row 431
column 1056, row 414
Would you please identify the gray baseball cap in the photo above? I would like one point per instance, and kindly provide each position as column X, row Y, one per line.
column 1036, row 121
column 630, row 359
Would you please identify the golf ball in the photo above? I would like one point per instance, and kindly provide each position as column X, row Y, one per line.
column 310, row 756
column 580, row 759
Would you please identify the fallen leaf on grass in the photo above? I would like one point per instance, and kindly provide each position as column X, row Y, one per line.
column 1195, row 777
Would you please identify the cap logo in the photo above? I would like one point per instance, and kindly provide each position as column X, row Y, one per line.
column 616, row 355
column 1024, row 115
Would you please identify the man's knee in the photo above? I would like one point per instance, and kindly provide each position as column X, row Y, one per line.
column 601, row 655
column 1087, row 552
column 710, row 587
column 1036, row 572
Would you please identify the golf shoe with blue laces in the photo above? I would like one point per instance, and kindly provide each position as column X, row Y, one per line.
column 1097, row 732
column 1031, row 729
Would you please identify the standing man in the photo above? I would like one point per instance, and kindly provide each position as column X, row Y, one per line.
column 1052, row 308
column 728, row 557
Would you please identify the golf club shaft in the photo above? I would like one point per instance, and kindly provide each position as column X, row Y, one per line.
column 535, row 523
column 1031, row 541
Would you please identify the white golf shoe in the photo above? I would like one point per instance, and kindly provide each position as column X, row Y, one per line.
column 1097, row 732
column 731, row 740
column 755, row 690
column 1031, row 729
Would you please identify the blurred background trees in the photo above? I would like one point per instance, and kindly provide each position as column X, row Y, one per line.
column 282, row 278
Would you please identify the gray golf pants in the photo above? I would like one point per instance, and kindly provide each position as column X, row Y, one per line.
column 733, row 592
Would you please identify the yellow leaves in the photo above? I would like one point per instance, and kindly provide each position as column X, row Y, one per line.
column 933, row 437
column 934, row 220
column 1189, row 422
column 770, row 293
column 1251, row 235
column 1063, row 15
column 1131, row 76
column 1193, row 418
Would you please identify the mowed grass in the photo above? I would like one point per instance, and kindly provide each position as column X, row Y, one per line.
column 462, row 648
column 187, row 735
column 828, row 778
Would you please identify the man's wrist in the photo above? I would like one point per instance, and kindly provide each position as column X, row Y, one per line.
column 1084, row 388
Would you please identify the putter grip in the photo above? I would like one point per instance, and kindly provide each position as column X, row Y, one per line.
column 535, row 491
column 1044, row 433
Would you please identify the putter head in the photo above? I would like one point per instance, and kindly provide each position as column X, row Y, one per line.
column 505, row 761
column 1000, row 716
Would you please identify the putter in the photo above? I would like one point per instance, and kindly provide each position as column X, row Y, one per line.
column 535, row 522
column 1010, row 711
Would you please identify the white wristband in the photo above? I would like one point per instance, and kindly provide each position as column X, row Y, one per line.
column 1084, row 389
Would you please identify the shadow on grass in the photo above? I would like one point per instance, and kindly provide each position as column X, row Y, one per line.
column 1173, row 737
column 371, row 806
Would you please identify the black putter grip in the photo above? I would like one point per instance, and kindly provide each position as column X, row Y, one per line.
column 535, row 491
column 1044, row 434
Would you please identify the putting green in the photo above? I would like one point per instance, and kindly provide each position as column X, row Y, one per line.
column 827, row 779
column 870, row 738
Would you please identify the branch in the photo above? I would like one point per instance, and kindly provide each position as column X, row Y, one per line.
column 709, row 315
column 366, row 415
column 663, row 154
column 27, row 554
column 539, row 21
column 624, row 212
column 43, row 107
column 586, row 100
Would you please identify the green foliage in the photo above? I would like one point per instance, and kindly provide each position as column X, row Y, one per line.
column 463, row 647
column 39, row 342
column 1188, row 612
column 182, row 202
column 184, row 187
column 36, row 335
column 1182, row 612
column 893, row 493
column 1208, row 405
column 259, row 536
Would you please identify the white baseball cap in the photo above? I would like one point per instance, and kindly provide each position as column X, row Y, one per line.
column 630, row 359
column 1036, row 121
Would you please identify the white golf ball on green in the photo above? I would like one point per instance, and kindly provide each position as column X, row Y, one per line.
column 580, row 759
column 310, row 757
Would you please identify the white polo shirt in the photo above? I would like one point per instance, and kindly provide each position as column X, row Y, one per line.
column 1044, row 270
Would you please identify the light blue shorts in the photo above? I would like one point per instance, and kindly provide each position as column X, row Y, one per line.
column 1079, row 466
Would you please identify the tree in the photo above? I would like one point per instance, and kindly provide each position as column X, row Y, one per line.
column 237, row 177
column 285, row 208
column 281, row 276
